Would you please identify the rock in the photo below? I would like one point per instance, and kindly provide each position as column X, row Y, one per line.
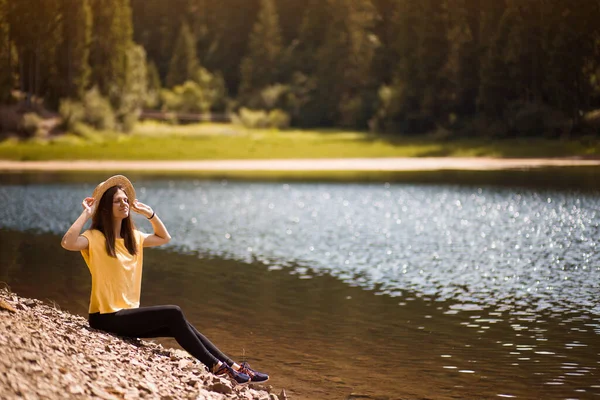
column 75, row 389
column 100, row 393
column 30, row 302
column 131, row 393
column 147, row 386
column 192, row 382
column 29, row 356
column 220, row 388
column 283, row 395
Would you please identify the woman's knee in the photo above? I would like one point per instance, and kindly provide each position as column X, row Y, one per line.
column 174, row 312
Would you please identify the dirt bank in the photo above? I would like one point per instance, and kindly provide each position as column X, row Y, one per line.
column 46, row 353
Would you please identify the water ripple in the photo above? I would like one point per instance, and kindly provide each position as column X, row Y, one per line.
column 477, row 247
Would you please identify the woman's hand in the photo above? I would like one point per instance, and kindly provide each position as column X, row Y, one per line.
column 142, row 208
column 89, row 206
column 160, row 235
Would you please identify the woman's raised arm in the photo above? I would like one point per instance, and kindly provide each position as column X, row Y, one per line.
column 73, row 240
column 161, row 235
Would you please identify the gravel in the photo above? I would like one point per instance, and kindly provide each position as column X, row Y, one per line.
column 51, row 354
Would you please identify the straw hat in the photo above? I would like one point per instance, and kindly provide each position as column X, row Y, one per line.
column 117, row 180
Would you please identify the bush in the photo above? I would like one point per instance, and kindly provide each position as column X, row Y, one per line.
column 535, row 119
column 72, row 113
column 291, row 98
column 277, row 119
column 129, row 120
column 169, row 100
column 251, row 118
column 274, row 96
column 385, row 118
column 591, row 120
column 213, row 88
column 398, row 112
column 350, row 112
column 98, row 112
column 30, row 124
column 186, row 98
column 268, row 98
column 94, row 111
column 205, row 93
column 480, row 126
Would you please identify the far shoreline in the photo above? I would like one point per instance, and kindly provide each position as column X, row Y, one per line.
column 559, row 173
column 391, row 164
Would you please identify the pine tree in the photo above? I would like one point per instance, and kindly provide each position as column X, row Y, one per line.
column 184, row 61
column 33, row 30
column 465, row 53
column 73, row 51
column 432, row 56
column 154, row 85
column 406, row 20
column 403, row 104
column 420, row 94
column 202, row 23
column 386, row 56
column 572, row 57
column 111, row 39
column 290, row 14
column 157, row 25
column 344, row 64
column 524, row 50
column 496, row 87
column 229, row 25
column 6, row 68
column 310, row 36
column 133, row 92
column 261, row 66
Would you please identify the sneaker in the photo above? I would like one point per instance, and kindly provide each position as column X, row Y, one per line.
column 238, row 377
column 255, row 376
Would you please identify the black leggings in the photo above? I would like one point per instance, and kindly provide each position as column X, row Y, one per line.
column 160, row 321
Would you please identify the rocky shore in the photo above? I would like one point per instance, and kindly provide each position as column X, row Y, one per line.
column 46, row 353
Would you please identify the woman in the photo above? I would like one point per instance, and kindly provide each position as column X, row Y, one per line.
column 113, row 251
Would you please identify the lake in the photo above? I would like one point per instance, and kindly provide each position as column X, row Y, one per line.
column 386, row 290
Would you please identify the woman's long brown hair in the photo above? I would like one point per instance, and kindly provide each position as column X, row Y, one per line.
column 103, row 221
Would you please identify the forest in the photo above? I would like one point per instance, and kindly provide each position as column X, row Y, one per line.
column 500, row 68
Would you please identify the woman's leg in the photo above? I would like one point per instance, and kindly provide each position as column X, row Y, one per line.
column 211, row 347
column 157, row 321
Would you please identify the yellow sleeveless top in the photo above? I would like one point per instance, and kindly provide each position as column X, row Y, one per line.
column 116, row 282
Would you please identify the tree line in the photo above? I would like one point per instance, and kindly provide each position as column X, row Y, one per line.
column 502, row 67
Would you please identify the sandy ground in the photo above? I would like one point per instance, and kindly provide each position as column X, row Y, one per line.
column 350, row 164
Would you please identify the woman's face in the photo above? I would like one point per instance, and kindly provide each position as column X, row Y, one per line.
column 120, row 207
